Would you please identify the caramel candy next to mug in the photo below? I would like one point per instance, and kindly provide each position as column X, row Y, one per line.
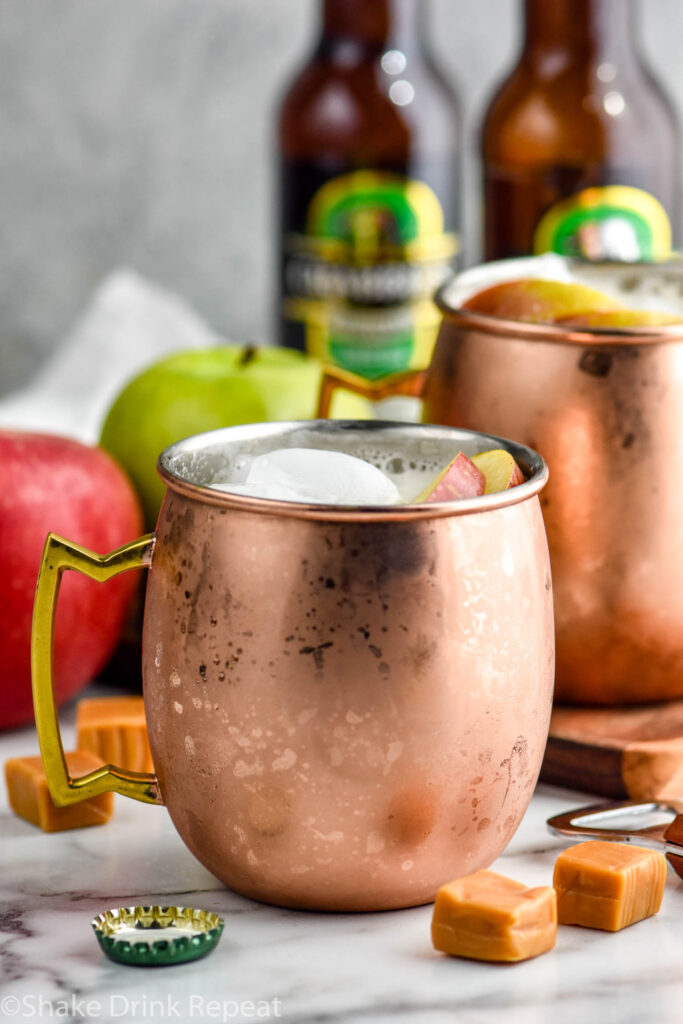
column 486, row 916
column 29, row 796
column 114, row 729
column 608, row 885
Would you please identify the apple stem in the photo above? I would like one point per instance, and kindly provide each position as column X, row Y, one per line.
column 248, row 355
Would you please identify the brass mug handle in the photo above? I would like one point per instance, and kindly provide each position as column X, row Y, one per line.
column 408, row 382
column 58, row 555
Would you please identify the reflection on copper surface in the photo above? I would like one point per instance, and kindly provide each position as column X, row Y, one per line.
column 606, row 410
column 347, row 709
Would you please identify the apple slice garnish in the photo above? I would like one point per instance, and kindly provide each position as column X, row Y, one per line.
column 500, row 470
column 620, row 318
column 536, row 301
column 460, row 479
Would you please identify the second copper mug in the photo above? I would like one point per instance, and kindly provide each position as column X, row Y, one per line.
column 346, row 707
column 606, row 409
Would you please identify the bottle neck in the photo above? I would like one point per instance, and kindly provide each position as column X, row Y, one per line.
column 589, row 30
column 374, row 24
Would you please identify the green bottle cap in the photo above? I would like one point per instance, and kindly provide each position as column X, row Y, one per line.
column 157, row 936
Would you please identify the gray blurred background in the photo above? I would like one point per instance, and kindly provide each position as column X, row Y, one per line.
column 140, row 133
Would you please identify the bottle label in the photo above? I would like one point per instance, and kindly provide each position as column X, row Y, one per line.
column 614, row 222
column 361, row 275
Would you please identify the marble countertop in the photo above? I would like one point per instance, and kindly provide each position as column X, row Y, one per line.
column 301, row 968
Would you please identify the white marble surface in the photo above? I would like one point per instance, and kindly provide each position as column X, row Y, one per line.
column 296, row 967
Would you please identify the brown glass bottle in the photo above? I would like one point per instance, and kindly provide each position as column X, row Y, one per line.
column 369, row 148
column 580, row 145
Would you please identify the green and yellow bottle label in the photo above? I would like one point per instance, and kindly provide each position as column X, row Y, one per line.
column 613, row 222
column 360, row 276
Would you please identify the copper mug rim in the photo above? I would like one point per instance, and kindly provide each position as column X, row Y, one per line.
column 530, row 461
column 593, row 336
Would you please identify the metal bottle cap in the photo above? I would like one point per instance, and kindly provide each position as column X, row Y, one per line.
column 157, row 936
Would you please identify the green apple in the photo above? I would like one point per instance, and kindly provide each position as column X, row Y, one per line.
column 190, row 392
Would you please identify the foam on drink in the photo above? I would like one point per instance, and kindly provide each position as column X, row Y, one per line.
column 656, row 287
column 408, row 457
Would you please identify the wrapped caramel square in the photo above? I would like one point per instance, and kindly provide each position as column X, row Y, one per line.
column 608, row 885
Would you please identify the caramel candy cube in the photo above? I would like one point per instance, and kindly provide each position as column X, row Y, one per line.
column 30, row 798
column 608, row 885
column 486, row 916
column 114, row 729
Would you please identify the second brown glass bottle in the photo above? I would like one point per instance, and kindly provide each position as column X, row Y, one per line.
column 580, row 145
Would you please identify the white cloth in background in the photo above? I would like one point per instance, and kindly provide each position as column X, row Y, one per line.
column 128, row 324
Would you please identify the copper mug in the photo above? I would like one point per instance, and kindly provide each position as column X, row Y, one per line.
column 606, row 409
column 347, row 707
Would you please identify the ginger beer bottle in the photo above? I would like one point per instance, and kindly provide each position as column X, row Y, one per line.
column 369, row 143
column 580, row 144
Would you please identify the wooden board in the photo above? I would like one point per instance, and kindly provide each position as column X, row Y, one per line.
column 634, row 752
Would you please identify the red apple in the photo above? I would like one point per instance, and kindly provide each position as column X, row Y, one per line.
column 460, row 479
column 51, row 483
